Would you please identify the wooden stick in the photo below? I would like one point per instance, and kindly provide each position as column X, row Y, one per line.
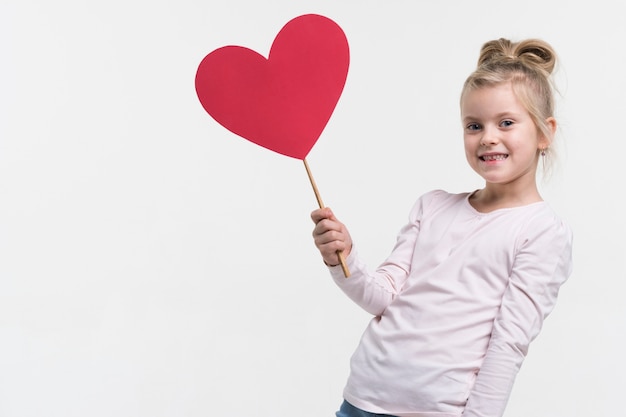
column 342, row 260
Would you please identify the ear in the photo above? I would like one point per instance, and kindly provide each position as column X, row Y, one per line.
column 545, row 142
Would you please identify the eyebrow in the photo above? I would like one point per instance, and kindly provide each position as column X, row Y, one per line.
column 500, row 115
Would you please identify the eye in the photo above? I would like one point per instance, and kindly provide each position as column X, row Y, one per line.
column 506, row 123
column 473, row 126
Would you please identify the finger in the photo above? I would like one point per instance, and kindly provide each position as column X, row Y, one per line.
column 320, row 214
column 326, row 226
column 329, row 250
column 329, row 236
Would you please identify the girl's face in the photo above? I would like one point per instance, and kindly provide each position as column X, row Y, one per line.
column 501, row 139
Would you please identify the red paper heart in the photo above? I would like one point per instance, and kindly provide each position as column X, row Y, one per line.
column 282, row 103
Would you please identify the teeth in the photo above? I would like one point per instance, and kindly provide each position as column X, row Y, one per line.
column 499, row 157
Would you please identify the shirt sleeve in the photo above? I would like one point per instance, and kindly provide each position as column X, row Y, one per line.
column 374, row 291
column 542, row 264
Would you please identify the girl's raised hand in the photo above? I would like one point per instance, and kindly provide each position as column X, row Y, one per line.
column 330, row 236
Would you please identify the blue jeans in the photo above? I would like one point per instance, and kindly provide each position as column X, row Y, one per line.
column 348, row 410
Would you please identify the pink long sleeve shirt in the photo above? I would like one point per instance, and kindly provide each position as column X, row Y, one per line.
column 456, row 305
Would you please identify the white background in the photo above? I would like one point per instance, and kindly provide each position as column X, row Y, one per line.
column 154, row 264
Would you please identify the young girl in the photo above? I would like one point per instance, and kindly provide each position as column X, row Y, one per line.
column 472, row 276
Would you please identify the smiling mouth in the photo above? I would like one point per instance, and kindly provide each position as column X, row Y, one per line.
column 498, row 157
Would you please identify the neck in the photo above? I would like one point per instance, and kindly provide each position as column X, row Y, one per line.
column 498, row 196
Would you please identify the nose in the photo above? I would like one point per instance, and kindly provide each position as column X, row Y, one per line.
column 489, row 137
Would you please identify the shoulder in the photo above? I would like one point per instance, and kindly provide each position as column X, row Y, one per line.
column 545, row 232
column 435, row 201
column 542, row 219
column 544, row 245
column 438, row 196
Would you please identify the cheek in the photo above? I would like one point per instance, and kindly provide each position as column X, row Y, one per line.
column 470, row 155
column 526, row 149
column 469, row 146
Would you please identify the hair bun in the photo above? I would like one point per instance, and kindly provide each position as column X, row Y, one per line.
column 533, row 53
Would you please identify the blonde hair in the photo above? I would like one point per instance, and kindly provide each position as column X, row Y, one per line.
column 528, row 66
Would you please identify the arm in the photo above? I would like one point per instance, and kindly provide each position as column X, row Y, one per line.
column 542, row 264
column 372, row 291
